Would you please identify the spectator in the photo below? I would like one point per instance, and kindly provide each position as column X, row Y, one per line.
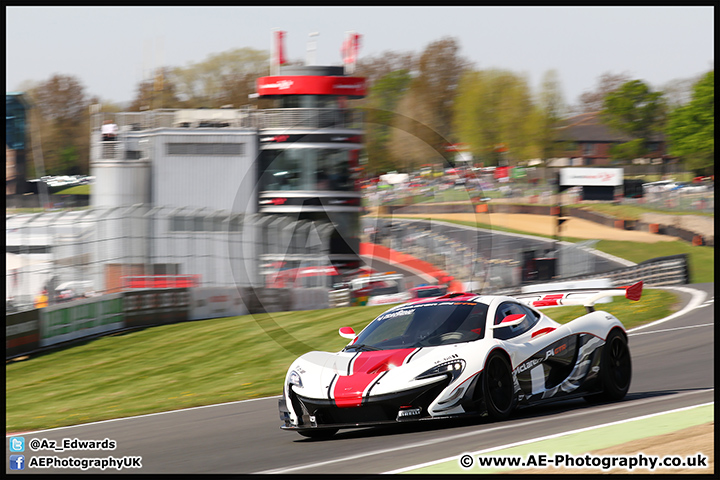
column 41, row 300
column 109, row 131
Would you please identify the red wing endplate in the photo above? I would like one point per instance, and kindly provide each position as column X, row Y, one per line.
column 587, row 299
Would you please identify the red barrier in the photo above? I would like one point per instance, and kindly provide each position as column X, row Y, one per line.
column 160, row 281
column 391, row 256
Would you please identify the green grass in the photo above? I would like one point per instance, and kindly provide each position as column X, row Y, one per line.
column 653, row 305
column 204, row 362
column 701, row 258
column 76, row 190
column 169, row 367
column 632, row 212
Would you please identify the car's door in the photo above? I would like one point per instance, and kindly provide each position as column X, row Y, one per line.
column 551, row 360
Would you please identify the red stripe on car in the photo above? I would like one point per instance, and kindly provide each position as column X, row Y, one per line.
column 348, row 390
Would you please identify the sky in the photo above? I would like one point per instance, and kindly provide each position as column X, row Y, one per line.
column 111, row 49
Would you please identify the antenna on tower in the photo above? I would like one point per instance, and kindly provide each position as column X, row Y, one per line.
column 311, row 48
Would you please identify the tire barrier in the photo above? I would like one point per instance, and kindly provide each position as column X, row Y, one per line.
column 656, row 272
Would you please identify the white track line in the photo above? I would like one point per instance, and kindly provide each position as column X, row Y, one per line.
column 548, row 437
column 698, row 297
column 477, row 432
column 672, row 329
column 139, row 416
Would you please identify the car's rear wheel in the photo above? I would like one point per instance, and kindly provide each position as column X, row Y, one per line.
column 320, row 433
column 615, row 369
column 498, row 387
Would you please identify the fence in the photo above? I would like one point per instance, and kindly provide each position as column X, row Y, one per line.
column 481, row 259
column 232, row 118
column 101, row 248
column 535, row 189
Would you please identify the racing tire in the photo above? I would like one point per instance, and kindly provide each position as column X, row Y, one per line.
column 318, row 434
column 615, row 369
column 498, row 387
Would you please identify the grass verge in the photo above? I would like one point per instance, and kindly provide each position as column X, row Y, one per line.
column 200, row 363
column 169, row 367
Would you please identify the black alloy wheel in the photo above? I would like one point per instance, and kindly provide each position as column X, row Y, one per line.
column 615, row 369
column 498, row 387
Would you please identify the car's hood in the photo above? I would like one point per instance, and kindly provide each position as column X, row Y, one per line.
column 347, row 377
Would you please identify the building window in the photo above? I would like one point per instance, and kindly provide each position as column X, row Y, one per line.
column 588, row 149
column 306, row 169
column 653, row 146
column 198, row 149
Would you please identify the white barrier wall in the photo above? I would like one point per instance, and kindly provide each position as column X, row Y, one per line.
column 309, row 298
column 215, row 302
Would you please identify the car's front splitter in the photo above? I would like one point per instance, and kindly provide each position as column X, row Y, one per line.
column 399, row 407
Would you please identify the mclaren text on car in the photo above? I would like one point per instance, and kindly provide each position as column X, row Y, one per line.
column 460, row 354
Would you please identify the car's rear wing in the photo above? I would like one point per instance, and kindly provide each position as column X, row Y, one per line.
column 585, row 298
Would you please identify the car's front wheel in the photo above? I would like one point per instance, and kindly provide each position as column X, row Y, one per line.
column 498, row 387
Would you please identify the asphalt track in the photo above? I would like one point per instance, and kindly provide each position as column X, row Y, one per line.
column 672, row 368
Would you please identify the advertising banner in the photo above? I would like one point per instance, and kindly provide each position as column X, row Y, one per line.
column 80, row 319
column 591, row 177
column 311, row 85
column 215, row 302
column 156, row 307
column 22, row 333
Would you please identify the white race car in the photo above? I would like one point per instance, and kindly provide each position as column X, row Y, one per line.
column 460, row 354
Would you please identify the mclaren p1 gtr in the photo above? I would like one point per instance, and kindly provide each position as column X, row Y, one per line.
column 460, row 354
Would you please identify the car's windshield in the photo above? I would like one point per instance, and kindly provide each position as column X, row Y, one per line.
column 425, row 325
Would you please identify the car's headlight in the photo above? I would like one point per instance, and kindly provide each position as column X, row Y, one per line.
column 453, row 368
column 295, row 379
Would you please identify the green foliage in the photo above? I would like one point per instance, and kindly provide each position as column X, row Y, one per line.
column 58, row 127
column 495, row 107
column 627, row 151
column 551, row 108
column 385, row 94
column 691, row 128
column 636, row 111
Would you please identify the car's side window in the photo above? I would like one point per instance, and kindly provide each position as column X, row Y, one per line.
column 512, row 308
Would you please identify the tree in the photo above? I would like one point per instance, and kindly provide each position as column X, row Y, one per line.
column 494, row 114
column 385, row 94
column 678, row 92
column 376, row 67
column 639, row 112
column 551, row 108
column 222, row 79
column 440, row 68
column 158, row 92
column 691, row 128
column 592, row 101
column 60, row 123
column 413, row 143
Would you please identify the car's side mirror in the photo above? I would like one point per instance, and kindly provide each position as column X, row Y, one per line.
column 347, row 332
column 511, row 321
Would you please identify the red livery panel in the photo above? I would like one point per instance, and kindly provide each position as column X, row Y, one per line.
column 366, row 367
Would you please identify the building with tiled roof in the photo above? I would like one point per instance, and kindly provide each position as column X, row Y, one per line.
column 587, row 141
